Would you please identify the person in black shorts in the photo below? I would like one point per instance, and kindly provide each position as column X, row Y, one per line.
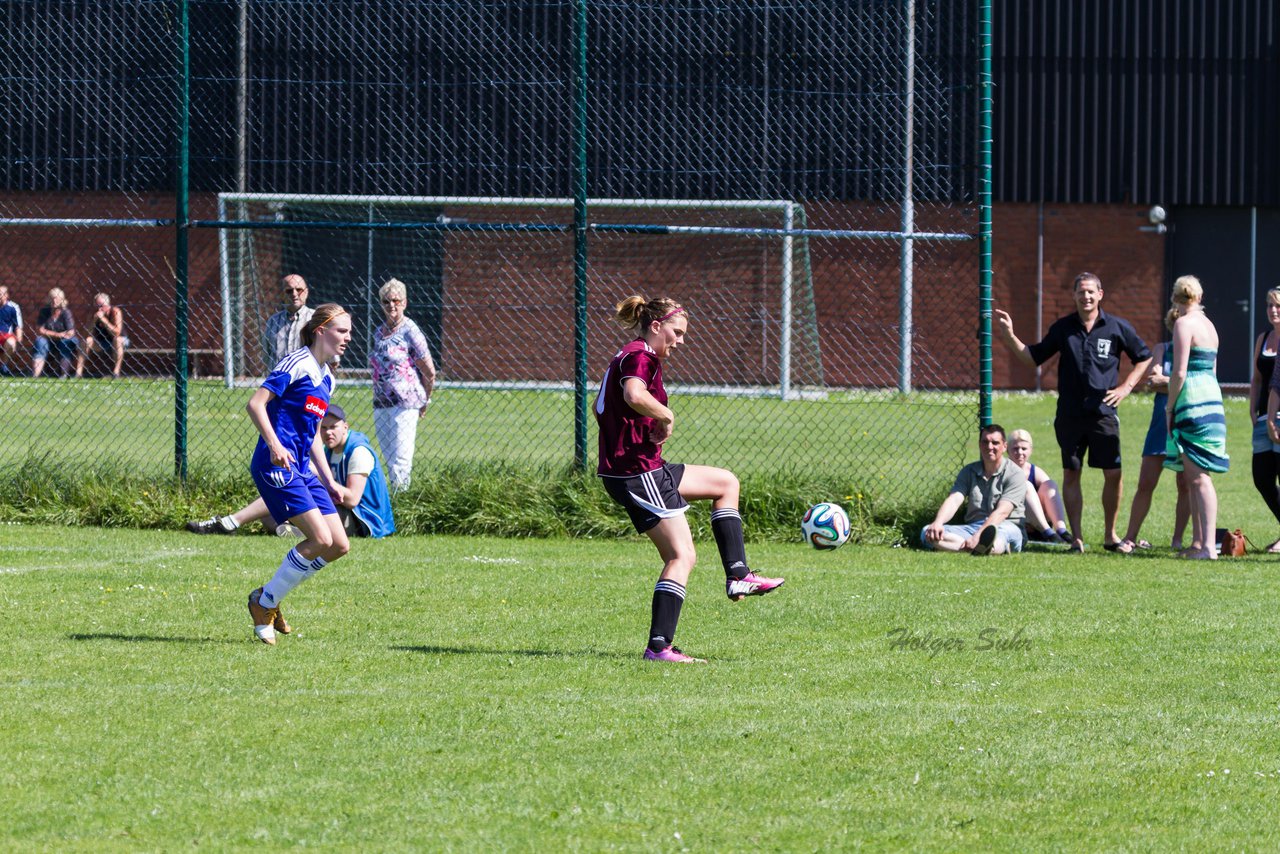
column 632, row 414
column 1090, row 343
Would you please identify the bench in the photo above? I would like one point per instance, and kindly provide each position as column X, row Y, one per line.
column 195, row 355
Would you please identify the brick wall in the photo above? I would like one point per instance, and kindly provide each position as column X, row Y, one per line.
column 500, row 289
column 1102, row 239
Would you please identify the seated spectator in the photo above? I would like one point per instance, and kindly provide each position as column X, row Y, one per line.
column 56, row 330
column 107, row 334
column 10, row 331
column 364, row 504
column 1046, row 519
column 993, row 493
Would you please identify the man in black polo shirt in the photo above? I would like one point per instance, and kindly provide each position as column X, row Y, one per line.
column 1090, row 343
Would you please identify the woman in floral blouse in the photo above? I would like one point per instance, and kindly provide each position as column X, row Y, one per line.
column 403, row 376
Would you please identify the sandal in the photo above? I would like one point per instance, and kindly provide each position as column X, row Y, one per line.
column 1124, row 547
column 1115, row 547
column 1142, row 544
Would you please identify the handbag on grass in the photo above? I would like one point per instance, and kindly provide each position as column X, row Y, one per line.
column 1230, row 543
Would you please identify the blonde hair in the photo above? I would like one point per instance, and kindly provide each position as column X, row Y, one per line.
column 1171, row 317
column 393, row 288
column 637, row 312
column 323, row 315
column 1187, row 290
column 1273, row 296
column 1020, row 436
column 97, row 297
column 57, row 293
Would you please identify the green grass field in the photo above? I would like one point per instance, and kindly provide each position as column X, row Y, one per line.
column 447, row 693
column 472, row 694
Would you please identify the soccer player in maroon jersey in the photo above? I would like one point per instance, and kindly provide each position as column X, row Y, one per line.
column 631, row 411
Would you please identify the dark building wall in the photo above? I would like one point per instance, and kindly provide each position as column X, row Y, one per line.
column 1144, row 101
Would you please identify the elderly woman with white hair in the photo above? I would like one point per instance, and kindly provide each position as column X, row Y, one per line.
column 403, row 376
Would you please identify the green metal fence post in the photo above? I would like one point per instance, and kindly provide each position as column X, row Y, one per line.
column 180, row 251
column 580, row 238
column 985, row 93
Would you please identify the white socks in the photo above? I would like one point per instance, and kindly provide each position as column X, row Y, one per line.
column 293, row 570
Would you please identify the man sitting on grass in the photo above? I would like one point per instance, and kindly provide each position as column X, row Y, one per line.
column 364, row 504
column 993, row 490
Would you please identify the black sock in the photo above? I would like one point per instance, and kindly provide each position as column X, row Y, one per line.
column 1265, row 471
column 668, row 596
column 726, row 524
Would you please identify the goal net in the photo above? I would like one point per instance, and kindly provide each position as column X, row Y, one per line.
column 490, row 282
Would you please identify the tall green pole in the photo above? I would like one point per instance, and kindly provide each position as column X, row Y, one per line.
column 580, row 237
column 986, row 90
column 180, row 250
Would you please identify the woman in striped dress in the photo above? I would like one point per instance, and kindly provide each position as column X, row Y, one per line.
column 1197, row 443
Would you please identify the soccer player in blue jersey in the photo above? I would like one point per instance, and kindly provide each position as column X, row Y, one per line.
column 634, row 420
column 364, row 503
column 289, row 465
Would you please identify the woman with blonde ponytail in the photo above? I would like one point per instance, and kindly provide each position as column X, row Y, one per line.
column 634, row 420
column 290, row 465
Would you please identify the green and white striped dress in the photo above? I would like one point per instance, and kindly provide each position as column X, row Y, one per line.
column 1199, row 420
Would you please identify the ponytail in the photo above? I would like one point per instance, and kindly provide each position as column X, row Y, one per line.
column 637, row 312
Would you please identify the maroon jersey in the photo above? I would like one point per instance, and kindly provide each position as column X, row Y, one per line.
column 625, row 447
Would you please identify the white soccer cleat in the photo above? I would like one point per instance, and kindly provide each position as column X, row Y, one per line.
column 263, row 619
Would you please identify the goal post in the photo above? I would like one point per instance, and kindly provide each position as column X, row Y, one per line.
column 253, row 251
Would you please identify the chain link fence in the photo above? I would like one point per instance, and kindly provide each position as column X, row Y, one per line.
column 801, row 175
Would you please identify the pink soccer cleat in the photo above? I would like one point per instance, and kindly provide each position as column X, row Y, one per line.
column 673, row 655
column 738, row 589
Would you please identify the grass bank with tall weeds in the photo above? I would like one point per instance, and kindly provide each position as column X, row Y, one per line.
column 503, row 500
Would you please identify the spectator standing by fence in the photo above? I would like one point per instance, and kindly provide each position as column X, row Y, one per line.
column 56, row 330
column 1090, row 342
column 283, row 332
column 403, row 377
column 1197, row 421
column 10, row 330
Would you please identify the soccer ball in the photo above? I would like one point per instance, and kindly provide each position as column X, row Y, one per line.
column 825, row 526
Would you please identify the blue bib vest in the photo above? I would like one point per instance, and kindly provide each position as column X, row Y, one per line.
column 374, row 508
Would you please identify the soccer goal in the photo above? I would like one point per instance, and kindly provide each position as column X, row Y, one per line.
column 485, row 276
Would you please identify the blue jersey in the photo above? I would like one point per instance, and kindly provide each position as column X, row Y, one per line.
column 302, row 387
column 374, row 507
column 10, row 318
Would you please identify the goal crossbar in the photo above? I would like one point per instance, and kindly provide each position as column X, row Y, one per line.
column 789, row 211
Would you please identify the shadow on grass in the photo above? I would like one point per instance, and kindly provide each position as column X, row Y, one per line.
column 108, row 636
column 427, row 649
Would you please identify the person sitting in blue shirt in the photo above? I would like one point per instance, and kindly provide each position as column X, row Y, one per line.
column 364, row 504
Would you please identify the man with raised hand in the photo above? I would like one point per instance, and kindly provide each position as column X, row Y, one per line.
column 1090, row 342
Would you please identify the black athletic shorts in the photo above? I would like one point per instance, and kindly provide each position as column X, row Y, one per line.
column 1099, row 435
column 650, row 497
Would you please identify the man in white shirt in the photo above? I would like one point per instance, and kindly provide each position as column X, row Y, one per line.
column 283, row 332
